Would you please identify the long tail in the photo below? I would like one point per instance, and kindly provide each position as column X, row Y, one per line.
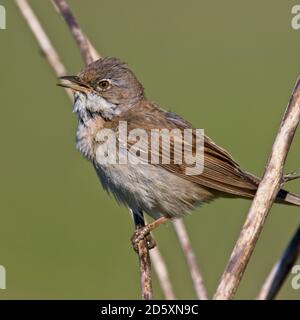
column 288, row 198
column 283, row 196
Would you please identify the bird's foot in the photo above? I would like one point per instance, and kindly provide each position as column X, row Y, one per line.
column 143, row 233
column 140, row 234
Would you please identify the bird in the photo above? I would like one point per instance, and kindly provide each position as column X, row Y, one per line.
column 106, row 94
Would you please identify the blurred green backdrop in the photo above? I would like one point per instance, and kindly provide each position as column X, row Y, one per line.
column 227, row 66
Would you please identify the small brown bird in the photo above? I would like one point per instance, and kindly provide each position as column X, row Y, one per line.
column 107, row 93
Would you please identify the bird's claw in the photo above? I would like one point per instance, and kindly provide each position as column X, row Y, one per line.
column 142, row 233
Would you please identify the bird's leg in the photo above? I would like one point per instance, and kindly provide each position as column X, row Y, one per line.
column 139, row 222
column 142, row 231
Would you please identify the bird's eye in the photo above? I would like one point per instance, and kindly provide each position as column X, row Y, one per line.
column 104, row 84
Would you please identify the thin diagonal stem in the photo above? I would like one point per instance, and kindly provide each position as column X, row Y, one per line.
column 267, row 191
column 145, row 270
column 281, row 269
column 161, row 270
column 190, row 257
column 76, row 31
column 43, row 40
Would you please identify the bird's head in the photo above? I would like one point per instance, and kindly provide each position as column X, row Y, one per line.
column 106, row 87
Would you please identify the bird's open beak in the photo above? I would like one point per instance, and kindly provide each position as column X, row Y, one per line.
column 72, row 82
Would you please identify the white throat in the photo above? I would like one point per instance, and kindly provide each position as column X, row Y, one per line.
column 85, row 105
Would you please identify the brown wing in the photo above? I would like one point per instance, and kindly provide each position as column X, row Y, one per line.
column 220, row 172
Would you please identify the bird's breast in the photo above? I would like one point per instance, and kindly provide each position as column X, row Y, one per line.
column 140, row 185
column 86, row 136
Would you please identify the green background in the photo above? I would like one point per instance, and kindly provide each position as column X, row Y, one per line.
column 227, row 66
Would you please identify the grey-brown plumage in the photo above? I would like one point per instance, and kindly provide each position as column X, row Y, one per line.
column 107, row 92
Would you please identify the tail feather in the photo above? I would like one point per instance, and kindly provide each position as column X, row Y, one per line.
column 283, row 196
column 288, row 198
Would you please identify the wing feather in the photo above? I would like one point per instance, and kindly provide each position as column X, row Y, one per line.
column 220, row 172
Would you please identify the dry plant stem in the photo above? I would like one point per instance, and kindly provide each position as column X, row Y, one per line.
column 42, row 39
column 144, row 257
column 281, row 269
column 78, row 35
column 161, row 270
column 95, row 55
column 162, row 273
column 264, row 198
column 145, row 270
column 190, row 257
